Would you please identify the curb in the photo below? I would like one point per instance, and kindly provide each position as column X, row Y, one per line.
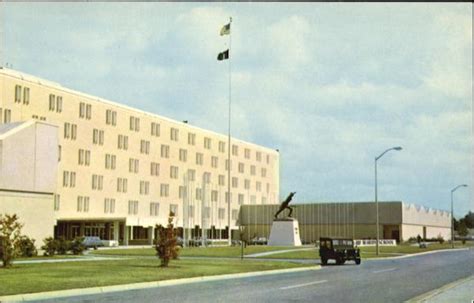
column 431, row 294
column 143, row 285
column 418, row 254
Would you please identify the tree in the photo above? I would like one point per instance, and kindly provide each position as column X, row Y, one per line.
column 10, row 238
column 165, row 245
column 462, row 231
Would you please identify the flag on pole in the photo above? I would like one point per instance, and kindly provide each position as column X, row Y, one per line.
column 225, row 30
column 223, row 56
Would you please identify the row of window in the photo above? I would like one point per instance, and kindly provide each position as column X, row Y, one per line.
column 109, row 207
column 85, row 112
column 69, row 178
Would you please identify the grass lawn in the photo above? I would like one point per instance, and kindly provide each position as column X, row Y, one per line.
column 32, row 278
column 369, row 252
column 49, row 257
column 224, row 251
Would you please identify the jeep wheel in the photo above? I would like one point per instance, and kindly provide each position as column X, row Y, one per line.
column 324, row 261
column 357, row 261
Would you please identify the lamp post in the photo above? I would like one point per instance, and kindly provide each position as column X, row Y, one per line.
column 452, row 214
column 397, row 148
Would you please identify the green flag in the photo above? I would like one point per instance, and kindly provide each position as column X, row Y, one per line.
column 223, row 56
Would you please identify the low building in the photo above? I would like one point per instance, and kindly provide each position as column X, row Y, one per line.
column 397, row 220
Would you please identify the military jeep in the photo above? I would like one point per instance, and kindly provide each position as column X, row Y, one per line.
column 339, row 250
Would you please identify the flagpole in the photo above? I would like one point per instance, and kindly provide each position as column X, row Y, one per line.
column 229, row 236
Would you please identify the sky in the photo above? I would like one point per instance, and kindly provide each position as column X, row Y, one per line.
column 331, row 85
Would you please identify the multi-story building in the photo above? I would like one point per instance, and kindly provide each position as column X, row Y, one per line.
column 120, row 170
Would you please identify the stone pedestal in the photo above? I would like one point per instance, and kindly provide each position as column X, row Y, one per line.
column 285, row 232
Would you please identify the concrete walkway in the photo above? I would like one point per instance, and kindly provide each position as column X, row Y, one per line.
column 461, row 291
column 78, row 259
column 274, row 252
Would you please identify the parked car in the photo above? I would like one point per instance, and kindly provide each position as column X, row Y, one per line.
column 338, row 249
column 92, row 242
column 259, row 241
column 199, row 241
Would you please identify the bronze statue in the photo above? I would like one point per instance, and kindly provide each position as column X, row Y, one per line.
column 285, row 204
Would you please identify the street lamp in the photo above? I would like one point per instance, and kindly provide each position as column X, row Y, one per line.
column 452, row 214
column 397, row 148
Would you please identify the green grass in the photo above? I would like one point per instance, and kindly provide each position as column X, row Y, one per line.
column 32, row 278
column 224, row 251
column 48, row 257
column 369, row 252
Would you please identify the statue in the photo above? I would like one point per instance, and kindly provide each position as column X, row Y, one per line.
column 285, row 204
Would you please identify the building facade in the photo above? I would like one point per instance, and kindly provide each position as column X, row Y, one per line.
column 120, row 170
column 397, row 220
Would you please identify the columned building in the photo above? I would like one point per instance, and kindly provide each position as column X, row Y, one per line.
column 118, row 171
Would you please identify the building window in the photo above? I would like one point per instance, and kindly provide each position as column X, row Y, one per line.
column 258, row 186
column 84, row 157
column 241, row 199
column 59, row 104
column 191, row 139
column 214, row 195
column 214, row 161
column 69, row 179
column 227, row 164
column 111, row 117
column 122, row 184
column 207, row 143
column 70, row 131
column 145, row 147
column 133, row 165
column 109, row 206
column 183, row 155
column 85, row 110
column 144, row 187
column 268, row 188
column 198, row 193
column 52, row 102
column 191, row 211
column 241, row 168
column 110, row 161
column 235, row 150
column 222, row 146
column 227, row 197
column 191, row 175
column 182, row 192
column 164, row 190
column 132, row 207
column 235, row 214
column 207, row 212
column 97, row 182
column 174, row 134
column 264, row 172
column 221, row 180
column 82, row 204
column 206, row 177
column 122, row 142
column 7, row 115
column 221, row 213
column 235, row 182
column 247, row 153
column 26, row 95
column 17, row 93
column 268, row 159
column 154, row 209
column 155, row 129
column 98, row 137
column 259, row 156
column 154, row 169
column 57, row 202
column 134, row 124
column 174, row 209
column 174, row 172
column 59, row 153
column 199, row 158
column 165, row 151
column 247, row 184
column 252, row 170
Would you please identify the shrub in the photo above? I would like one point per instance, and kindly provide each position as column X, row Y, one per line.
column 165, row 245
column 62, row 246
column 440, row 239
column 27, row 247
column 50, row 246
column 10, row 234
column 77, row 247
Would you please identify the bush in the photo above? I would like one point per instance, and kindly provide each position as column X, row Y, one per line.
column 62, row 246
column 76, row 246
column 440, row 239
column 10, row 234
column 50, row 246
column 166, row 244
column 27, row 247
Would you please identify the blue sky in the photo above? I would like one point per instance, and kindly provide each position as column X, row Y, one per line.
column 331, row 85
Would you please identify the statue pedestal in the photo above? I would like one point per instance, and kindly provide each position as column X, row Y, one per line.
column 285, row 232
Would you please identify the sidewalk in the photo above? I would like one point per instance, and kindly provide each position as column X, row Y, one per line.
column 461, row 291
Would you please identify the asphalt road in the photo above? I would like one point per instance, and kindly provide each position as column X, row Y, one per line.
column 394, row 280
